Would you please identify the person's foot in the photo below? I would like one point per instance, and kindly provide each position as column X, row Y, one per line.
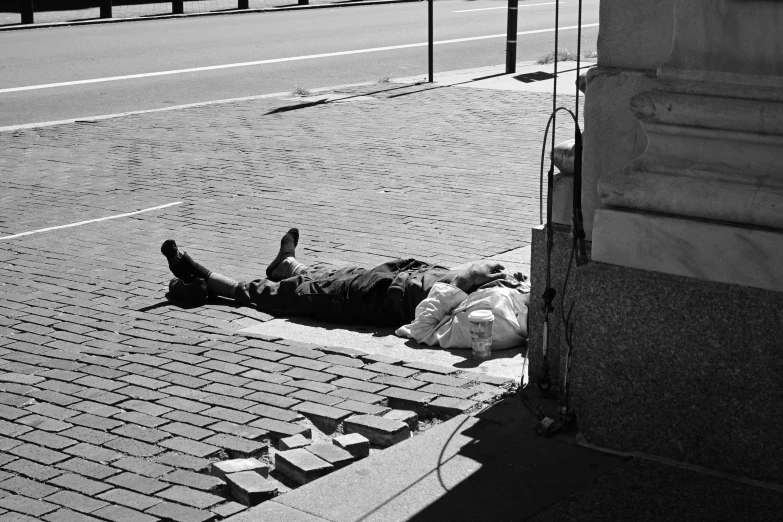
column 278, row 270
column 181, row 264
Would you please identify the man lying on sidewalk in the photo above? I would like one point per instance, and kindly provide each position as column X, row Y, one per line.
column 428, row 303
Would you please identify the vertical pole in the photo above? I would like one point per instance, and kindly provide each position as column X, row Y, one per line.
column 304, row 2
column 429, row 38
column 243, row 4
column 27, row 11
column 106, row 8
column 177, row 7
column 511, row 37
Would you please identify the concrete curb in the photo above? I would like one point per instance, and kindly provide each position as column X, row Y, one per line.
column 22, row 27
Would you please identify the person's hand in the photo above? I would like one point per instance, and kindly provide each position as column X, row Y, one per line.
column 519, row 276
column 478, row 274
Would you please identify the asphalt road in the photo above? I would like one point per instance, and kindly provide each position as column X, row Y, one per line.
column 61, row 73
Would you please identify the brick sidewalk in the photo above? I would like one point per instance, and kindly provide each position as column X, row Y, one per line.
column 111, row 405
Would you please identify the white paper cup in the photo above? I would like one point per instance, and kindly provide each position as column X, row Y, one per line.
column 481, row 333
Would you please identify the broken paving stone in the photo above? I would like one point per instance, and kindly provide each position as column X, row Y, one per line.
column 451, row 406
column 278, row 429
column 408, row 417
column 222, row 469
column 301, row 466
column 355, row 444
column 321, row 413
column 334, row 455
column 250, row 488
column 379, row 431
column 296, row 441
column 237, row 447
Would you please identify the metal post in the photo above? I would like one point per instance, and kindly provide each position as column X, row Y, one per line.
column 243, row 4
column 106, row 8
column 429, row 41
column 304, row 2
column 511, row 37
column 177, row 7
column 27, row 11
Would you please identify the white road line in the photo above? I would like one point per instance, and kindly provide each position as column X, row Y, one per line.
column 504, row 7
column 91, row 221
column 275, row 60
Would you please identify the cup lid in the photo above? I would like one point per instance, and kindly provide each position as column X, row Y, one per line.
column 481, row 315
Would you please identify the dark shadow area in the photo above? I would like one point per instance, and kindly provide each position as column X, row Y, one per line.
column 537, row 76
column 297, row 106
column 155, row 306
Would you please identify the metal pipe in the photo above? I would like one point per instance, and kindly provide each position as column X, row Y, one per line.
column 511, row 37
column 429, row 40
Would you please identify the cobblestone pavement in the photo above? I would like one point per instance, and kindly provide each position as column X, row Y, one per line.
column 149, row 9
column 112, row 403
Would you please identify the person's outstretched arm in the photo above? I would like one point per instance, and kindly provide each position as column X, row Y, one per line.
column 476, row 275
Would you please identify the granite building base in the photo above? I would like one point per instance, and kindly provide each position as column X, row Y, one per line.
column 669, row 365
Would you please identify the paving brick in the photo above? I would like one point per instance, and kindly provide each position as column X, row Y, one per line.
column 52, row 411
column 320, row 387
column 87, row 468
column 49, row 397
column 448, row 391
column 362, row 407
column 184, row 386
column 352, row 372
column 342, row 360
column 432, row 368
column 189, row 418
column 178, row 460
column 408, row 417
column 226, row 467
column 12, row 429
column 222, row 367
column 307, row 395
column 239, row 430
column 17, row 401
column 370, row 358
column 141, row 433
column 92, row 452
column 135, row 448
column 229, row 415
column 87, row 435
column 487, row 379
column 135, row 417
column 156, row 410
column 250, row 488
column 143, row 467
column 91, row 381
column 27, row 487
column 6, row 458
column 187, row 430
column 379, row 431
column 450, row 406
column 446, row 380
column 334, row 455
column 353, row 384
column 10, row 413
column 390, row 369
column 264, row 366
column 79, row 483
column 293, row 442
column 178, row 513
column 137, row 483
column 301, row 466
column 6, row 443
column 354, row 443
column 228, row 509
column 299, row 349
column 279, row 429
column 343, row 351
column 194, row 480
column 48, row 440
column 258, row 377
column 237, row 447
column 304, row 362
column 98, row 406
column 360, row 396
column 310, row 375
column 190, row 497
column 178, row 403
column 76, row 501
column 115, row 513
column 137, row 392
column 27, row 506
column 94, row 421
column 225, row 389
column 129, row 499
column 31, row 469
column 273, row 400
column 38, row 454
column 402, row 399
column 327, row 416
column 66, row 515
column 190, row 447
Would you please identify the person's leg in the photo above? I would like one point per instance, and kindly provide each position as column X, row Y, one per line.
column 186, row 268
column 285, row 265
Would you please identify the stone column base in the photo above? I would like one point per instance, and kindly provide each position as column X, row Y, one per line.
column 705, row 250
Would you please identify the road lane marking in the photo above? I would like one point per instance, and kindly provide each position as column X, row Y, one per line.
column 504, row 7
column 278, row 60
column 91, row 221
